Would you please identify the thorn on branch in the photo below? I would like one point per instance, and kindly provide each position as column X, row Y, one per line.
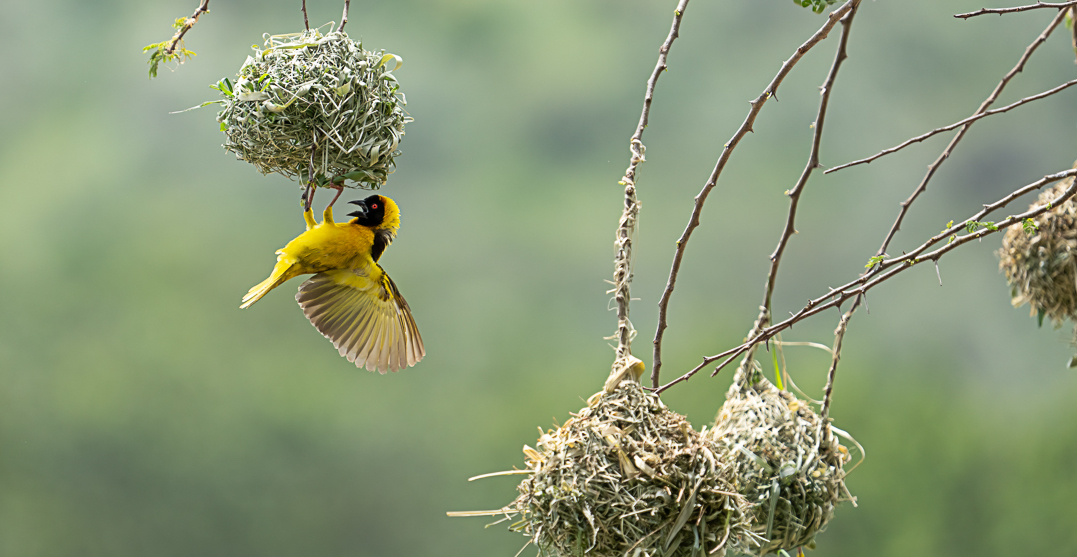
column 962, row 123
column 756, row 106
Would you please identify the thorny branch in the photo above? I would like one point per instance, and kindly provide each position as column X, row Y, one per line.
column 622, row 274
column 888, row 268
column 813, row 163
column 839, row 333
column 1001, row 11
column 202, row 9
column 794, row 195
column 933, row 167
column 757, row 105
column 955, row 125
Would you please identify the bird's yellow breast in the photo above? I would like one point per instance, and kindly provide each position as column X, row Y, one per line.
column 330, row 245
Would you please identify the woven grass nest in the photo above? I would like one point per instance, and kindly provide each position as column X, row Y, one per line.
column 309, row 99
column 1041, row 265
column 628, row 477
column 789, row 469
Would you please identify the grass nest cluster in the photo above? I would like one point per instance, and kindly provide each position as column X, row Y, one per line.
column 317, row 101
column 1040, row 261
column 786, row 464
column 628, row 477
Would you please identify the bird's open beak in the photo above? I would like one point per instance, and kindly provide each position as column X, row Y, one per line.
column 363, row 209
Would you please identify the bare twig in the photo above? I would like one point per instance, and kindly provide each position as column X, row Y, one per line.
column 622, row 274
column 203, row 8
column 344, row 18
column 1073, row 28
column 813, row 163
column 889, row 268
column 306, row 22
column 955, row 125
column 839, row 335
column 1001, row 11
column 757, row 105
column 933, row 167
column 794, row 197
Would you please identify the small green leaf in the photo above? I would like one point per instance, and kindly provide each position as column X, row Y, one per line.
column 972, row 225
column 224, row 86
column 817, row 6
column 159, row 55
column 386, row 58
column 1039, row 317
column 874, row 261
column 343, row 90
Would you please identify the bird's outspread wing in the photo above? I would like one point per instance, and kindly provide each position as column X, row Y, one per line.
column 365, row 316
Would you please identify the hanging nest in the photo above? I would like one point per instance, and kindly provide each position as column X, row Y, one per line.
column 788, row 468
column 316, row 100
column 1039, row 259
column 628, row 477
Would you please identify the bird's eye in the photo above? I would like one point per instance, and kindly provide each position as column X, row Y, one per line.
column 374, row 206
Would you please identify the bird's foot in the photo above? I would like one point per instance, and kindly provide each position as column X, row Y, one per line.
column 308, row 196
column 340, row 190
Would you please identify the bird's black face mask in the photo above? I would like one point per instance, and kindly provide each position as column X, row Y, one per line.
column 371, row 211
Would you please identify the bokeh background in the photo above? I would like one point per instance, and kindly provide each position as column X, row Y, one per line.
column 142, row 413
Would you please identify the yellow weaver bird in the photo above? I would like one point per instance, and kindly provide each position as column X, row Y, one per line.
column 350, row 299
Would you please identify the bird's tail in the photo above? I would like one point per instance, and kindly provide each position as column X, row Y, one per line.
column 282, row 271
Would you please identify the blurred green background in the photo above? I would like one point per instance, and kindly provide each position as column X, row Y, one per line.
column 142, row 413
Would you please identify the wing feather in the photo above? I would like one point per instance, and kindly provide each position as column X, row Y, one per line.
column 362, row 312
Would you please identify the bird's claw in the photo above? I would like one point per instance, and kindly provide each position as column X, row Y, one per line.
column 340, row 190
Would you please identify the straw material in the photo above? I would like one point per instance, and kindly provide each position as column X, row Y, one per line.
column 312, row 100
column 628, row 477
column 1041, row 264
column 787, row 465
